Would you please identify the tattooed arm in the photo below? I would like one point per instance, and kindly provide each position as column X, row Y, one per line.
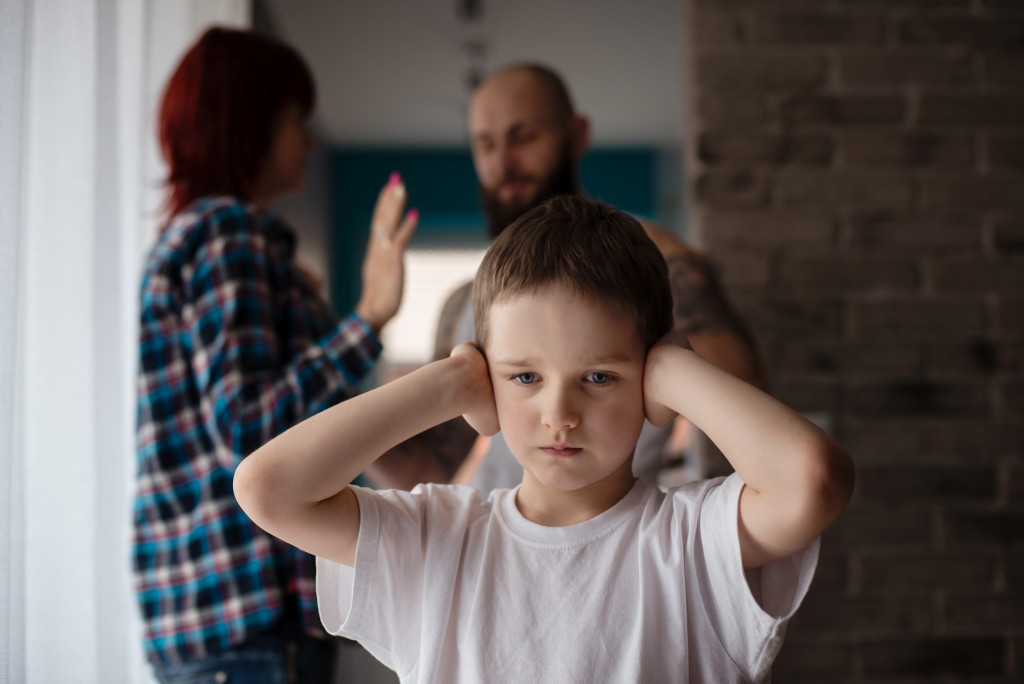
column 700, row 310
column 434, row 455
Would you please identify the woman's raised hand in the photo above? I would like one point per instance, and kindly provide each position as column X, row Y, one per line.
column 384, row 266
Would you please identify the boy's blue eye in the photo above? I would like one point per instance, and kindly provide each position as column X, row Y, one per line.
column 525, row 378
column 598, row 378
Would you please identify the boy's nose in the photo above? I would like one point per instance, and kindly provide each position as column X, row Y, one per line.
column 559, row 411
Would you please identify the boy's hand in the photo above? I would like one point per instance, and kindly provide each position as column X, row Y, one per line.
column 482, row 414
column 654, row 407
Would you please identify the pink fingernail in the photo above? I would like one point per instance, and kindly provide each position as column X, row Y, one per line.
column 413, row 214
column 394, row 179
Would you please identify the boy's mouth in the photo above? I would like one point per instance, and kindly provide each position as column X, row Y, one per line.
column 561, row 450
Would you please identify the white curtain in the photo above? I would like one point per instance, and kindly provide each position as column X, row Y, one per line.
column 79, row 190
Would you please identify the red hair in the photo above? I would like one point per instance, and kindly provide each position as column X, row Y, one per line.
column 220, row 109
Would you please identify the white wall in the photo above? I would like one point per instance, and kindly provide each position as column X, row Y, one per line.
column 392, row 71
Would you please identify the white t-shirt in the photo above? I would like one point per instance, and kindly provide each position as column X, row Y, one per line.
column 450, row 588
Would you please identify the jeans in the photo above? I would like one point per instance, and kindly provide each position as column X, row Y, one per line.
column 264, row 659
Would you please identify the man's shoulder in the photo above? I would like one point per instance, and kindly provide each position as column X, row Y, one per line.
column 459, row 296
column 454, row 308
column 670, row 244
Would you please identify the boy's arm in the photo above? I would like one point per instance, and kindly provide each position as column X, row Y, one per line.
column 798, row 479
column 436, row 454
column 296, row 486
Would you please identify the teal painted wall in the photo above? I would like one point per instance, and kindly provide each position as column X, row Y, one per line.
column 442, row 185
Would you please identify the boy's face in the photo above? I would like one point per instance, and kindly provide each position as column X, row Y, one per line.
column 568, row 385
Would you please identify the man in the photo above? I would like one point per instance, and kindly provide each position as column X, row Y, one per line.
column 527, row 142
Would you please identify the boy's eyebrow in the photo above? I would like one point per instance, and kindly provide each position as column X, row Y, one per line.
column 530, row 362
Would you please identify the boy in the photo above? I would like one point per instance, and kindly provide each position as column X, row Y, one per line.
column 582, row 573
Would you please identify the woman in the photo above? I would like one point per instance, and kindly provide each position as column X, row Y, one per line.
column 236, row 346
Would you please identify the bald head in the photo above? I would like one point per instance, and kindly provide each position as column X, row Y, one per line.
column 526, row 140
column 548, row 85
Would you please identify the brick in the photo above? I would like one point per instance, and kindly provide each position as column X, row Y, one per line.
column 971, row 110
column 732, row 188
column 924, row 440
column 1013, row 568
column 846, row 275
column 920, row 398
column 1015, row 487
column 908, row 150
column 774, row 316
column 974, row 439
column 874, row 441
column 1001, row 5
column 979, row 274
column 1004, row 68
column 904, row 529
column 893, row 231
column 717, row 29
column 1006, row 152
column 1008, row 237
column 897, row 69
column 803, row 356
column 1012, row 397
column 986, row 611
column 907, row 4
column 842, row 110
column 817, row 660
column 974, row 192
column 761, row 72
column 764, row 229
column 897, row 485
column 722, row 148
column 833, row 573
column 983, row 528
column 739, row 109
column 805, row 28
column 1010, row 313
column 981, row 356
column 920, row 573
column 844, row 190
column 839, row 614
column 918, row 317
column 935, row 657
column 888, row 357
column 807, row 395
column 984, row 33
column 747, row 4
column 738, row 267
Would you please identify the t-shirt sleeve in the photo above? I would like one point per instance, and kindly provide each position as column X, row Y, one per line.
column 407, row 558
column 749, row 610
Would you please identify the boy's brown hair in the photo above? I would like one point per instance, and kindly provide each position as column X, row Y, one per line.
column 599, row 252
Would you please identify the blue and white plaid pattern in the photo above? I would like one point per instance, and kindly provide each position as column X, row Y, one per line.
column 235, row 347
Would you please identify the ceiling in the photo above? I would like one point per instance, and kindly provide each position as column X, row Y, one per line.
column 394, row 72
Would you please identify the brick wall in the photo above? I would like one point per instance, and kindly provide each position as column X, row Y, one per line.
column 857, row 171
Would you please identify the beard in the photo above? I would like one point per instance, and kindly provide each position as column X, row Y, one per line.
column 560, row 181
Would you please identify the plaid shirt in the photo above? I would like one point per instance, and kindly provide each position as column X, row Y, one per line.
column 235, row 347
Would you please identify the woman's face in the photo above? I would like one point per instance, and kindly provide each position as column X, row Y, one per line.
column 285, row 169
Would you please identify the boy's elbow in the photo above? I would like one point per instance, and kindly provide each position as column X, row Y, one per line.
column 831, row 481
column 249, row 488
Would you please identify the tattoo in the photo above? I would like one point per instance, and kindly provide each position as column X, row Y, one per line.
column 450, row 443
column 699, row 304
